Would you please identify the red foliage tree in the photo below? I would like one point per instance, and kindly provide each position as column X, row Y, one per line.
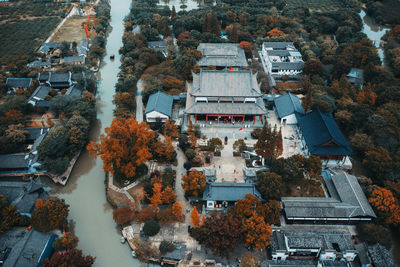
column 69, row 258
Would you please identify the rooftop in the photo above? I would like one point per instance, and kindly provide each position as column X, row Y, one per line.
column 14, row 161
column 27, row 248
column 157, row 44
column 288, row 263
column 279, row 45
column 74, row 90
column 18, row 82
column 288, row 104
column 160, row 102
column 222, row 54
column 322, row 134
column 356, row 76
column 38, row 63
column 35, row 133
column 380, row 256
column 59, row 77
column 229, row 191
column 225, row 83
column 73, row 59
column 347, row 200
column 23, row 195
column 178, row 254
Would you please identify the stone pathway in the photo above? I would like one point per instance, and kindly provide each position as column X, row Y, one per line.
column 122, row 190
column 139, row 101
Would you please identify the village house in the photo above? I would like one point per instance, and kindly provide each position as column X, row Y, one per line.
column 56, row 80
column 39, row 64
column 222, row 55
column 286, row 107
column 356, row 77
column 173, row 258
column 312, row 244
column 320, row 136
column 345, row 204
column 225, row 97
column 219, row 196
column 23, row 195
column 161, row 46
column 15, row 84
column 38, row 97
column 281, row 58
column 159, row 107
column 74, row 60
column 22, row 247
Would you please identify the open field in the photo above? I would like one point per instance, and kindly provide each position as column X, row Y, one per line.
column 71, row 31
column 24, row 27
column 316, row 5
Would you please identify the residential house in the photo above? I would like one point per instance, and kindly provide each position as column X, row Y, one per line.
column 14, row 84
column 222, row 55
column 281, row 58
column 23, row 195
column 82, row 48
column 222, row 97
column 38, row 97
column 50, row 48
column 219, row 196
column 159, row 106
column 39, row 64
column 21, row 247
column 56, row 80
column 159, row 46
column 173, row 258
column 286, row 106
column 312, row 244
column 321, row 136
column 74, row 90
column 380, row 256
column 75, row 60
column 345, row 204
column 356, row 77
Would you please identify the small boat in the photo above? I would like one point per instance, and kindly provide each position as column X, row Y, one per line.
column 112, row 56
column 123, row 239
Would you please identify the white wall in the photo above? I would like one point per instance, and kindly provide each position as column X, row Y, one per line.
column 290, row 119
column 152, row 116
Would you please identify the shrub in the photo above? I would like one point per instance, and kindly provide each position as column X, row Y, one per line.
column 166, row 246
column 151, row 228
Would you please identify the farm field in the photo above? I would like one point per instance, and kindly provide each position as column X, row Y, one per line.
column 24, row 27
column 71, row 31
column 316, row 5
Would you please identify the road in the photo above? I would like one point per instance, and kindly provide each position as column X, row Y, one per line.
column 139, row 101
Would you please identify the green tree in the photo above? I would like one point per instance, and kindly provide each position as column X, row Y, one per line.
column 239, row 145
column 268, row 143
column 270, row 185
column 215, row 144
column 78, row 129
column 151, row 228
column 378, row 162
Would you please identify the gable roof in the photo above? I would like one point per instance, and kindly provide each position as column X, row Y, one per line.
column 59, row 77
column 177, row 254
column 279, row 45
column 160, row 102
column 38, row 63
column 14, row 161
column 322, row 134
column 222, row 54
column 74, row 90
column 35, row 132
column 73, row 59
column 288, row 104
column 225, row 83
column 356, row 76
column 229, row 191
column 18, row 82
column 347, row 200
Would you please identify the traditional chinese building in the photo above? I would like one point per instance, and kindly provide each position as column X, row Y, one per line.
column 225, row 97
column 222, row 55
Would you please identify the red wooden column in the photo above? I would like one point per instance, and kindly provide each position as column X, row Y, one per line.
column 206, row 118
column 254, row 119
column 243, row 120
column 190, row 119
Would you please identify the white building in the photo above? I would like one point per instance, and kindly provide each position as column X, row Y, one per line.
column 282, row 58
column 159, row 106
column 286, row 107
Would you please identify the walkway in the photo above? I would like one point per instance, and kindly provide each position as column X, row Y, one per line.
column 139, row 101
column 123, row 190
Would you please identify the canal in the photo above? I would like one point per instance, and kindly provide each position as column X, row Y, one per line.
column 84, row 192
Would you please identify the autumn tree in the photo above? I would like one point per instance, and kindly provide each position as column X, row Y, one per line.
column 168, row 196
column 173, row 12
column 123, row 215
column 70, row 257
column 361, row 143
column 386, row 204
column 275, row 33
column 313, row 67
column 256, row 231
column 170, row 129
column 220, row 233
column 192, row 136
column 155, row 199
column 66, row 241
column 272, row 211
column 215, row 144
column 165, row 150
column 246, row 46
column 268, row 143
column 378, row 162
column 194, row 183
column 211, row 24
column 367, row 95
column 195, row 217
column 248, row 259
column 123, row 147
column 239, row 145
column 50, row 214
column 8, row 215
column 177, row 209
column 16, row 133
column 270, row 185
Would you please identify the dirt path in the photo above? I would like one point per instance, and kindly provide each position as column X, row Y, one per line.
column 139, row 101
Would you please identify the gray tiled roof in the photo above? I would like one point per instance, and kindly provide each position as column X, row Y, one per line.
column 178, row 254
column 226, row 108
column 157, row 44
column 38, row 63
column 380, row 256
column 34, row 133
column 278, row 45
column 222, row 54
column 229, row 191
column 23, row 195
column 351, row 203
column 160, row 102
column 40, row 92
column 45, row 48
column 288, row 263
column 287, row 104
column 74, row 90
column 356, row 76
column 18, row 82
column 225, row 83
column 27, row 248
column 287, row 65
column 13, row 161
column 73, row 59
column 59, row 77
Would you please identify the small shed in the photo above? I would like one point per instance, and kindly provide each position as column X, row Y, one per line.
column 159, row 106
column 18, row 83
column 176, row 256
column 286, row 106
column 356, row 77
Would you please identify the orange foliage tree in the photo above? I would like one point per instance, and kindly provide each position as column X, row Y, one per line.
column 192, row 136
column 386, row 204
column 123, row 147
column 155, row 199
column 166, row 150
column 257, row 232
column 194, row 183
column 275, row 33
column 246, row 46
column 123, row 215
column 194, row 215
column 367, row 95
column 170, row 129
column 177, row 209
column 168, row 196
